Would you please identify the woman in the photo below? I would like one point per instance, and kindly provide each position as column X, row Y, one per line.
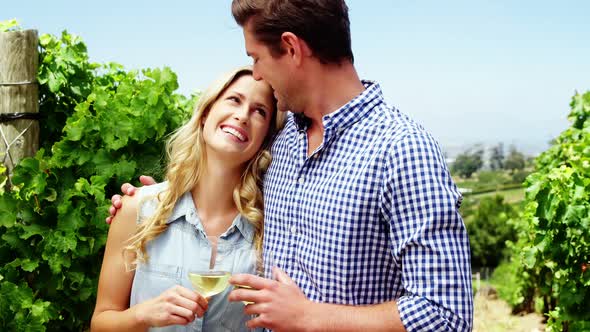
column 215, row 165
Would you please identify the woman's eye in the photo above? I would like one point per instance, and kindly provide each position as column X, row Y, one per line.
column 261, row 111
column 234, row 99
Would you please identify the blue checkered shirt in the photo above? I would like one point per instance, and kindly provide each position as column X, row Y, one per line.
column 370, row 216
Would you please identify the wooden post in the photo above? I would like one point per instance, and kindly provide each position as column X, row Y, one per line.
column 19, row 96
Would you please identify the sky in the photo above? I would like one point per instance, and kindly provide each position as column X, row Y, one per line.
column 469, row 71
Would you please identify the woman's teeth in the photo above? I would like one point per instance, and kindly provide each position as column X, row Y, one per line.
column 234, row 132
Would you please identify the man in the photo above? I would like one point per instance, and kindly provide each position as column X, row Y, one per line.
column 361, row 214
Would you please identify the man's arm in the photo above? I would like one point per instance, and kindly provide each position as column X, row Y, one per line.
column 378, row 317
column 281, row 306
column 428, row 237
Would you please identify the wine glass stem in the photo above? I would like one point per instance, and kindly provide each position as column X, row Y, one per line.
column 213, row 242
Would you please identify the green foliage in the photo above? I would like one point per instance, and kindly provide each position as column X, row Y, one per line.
column 515, row 160
column 489, row 228
column 66, row 78
column 9, row 25
column 498, row 181
column 494, row 179
column 497, row 157
column 555, row 244
column 506, row 281
column 515, row 285
column 3, row 178
column 101, row 126
column 520, row 176
column 467, row 163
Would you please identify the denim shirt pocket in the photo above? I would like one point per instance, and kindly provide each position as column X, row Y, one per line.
column 152, row 279
column 162, row 270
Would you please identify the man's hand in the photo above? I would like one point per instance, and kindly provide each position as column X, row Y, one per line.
column 279, row 304
column 126, row 189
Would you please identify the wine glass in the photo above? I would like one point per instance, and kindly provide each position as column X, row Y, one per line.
column 259, row 272
column 260, row 267
column 210, row 282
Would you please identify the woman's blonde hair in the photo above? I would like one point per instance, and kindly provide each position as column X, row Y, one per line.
column 187, row 161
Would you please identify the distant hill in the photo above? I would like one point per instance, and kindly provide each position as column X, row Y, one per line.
column 451, row 150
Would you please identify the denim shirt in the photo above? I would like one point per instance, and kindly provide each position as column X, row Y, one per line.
column 183, row 247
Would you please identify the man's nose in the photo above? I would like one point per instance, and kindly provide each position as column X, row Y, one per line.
column 256, row 74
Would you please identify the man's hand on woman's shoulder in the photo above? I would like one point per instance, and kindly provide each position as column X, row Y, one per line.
column 129, row 190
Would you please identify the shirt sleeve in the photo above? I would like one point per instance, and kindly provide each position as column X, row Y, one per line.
column 428, row 237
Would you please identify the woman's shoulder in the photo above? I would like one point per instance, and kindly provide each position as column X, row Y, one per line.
column 124, row 223
column 151, row 191
column 147, row 200
column 144, row 200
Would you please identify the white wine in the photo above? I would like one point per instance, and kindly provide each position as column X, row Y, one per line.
column 209, row 283
column 244, row 287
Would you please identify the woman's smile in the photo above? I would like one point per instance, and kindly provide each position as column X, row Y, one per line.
column 235, row 132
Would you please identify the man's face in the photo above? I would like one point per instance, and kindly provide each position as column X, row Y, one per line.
column 273, row 70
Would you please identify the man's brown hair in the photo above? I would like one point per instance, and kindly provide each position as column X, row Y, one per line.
column 323, row 24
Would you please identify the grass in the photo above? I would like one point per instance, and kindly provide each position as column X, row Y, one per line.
column 494, row 315
column 492, row 312
column 510, row 195
column 492, row 182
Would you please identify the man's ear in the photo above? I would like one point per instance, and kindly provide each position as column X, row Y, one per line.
column 295, row 47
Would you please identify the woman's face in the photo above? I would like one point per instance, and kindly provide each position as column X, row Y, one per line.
column 238, row 121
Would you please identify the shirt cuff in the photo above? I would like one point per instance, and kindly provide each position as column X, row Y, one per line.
column 420, row 314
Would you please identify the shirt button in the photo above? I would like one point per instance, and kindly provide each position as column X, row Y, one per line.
column 315, row 156
column 301, row 180
column 293, row 229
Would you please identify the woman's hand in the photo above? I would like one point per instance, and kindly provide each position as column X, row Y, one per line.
column 176, row 306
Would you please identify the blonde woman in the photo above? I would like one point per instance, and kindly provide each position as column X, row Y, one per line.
column 212, row 189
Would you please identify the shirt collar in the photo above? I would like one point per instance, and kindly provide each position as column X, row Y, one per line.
column 244, row 226
column 351, row 112
column 185, row 207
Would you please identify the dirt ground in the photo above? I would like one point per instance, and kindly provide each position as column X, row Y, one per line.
column 493, row 315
